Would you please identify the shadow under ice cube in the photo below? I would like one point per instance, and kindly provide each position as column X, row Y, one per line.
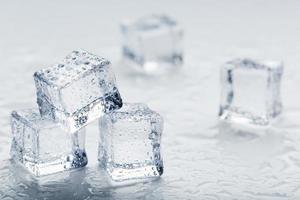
column 153, row 43
column 130, row 143
column 250, row 91
column 43, row 147
column 78, row 90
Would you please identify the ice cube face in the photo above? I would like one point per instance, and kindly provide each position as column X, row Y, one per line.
column 42, row 147
column 77, row 91
column 130, row 143
column 250, row 91
column 153, row 43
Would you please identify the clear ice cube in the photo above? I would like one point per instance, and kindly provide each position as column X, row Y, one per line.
column 250, row 91
column 152, row 43
column 78, row 90
column 43, row 147
column 130, row 143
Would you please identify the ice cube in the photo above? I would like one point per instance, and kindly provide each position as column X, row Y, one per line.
column 78, row 90
column 130, row 143
column 152, row 43
column 43, row 147
column 250, row 91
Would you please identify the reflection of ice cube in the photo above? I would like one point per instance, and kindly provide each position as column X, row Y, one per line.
column 43, row 147
column 78, row 90
column 130, row 143
column 250, row 91
column 153, row 42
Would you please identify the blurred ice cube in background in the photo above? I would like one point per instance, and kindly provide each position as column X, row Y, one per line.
column 152, row 44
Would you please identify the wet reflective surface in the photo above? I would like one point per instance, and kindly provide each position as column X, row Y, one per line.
column 203, row 159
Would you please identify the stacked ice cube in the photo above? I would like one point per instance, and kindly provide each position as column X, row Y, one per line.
column 77, row 91
column 70, row 95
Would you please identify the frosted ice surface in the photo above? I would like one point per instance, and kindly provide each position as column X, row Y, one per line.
column 153, row 43
column 130, row 143
column 43, row 147
column 250, row 91
column 78, row 90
